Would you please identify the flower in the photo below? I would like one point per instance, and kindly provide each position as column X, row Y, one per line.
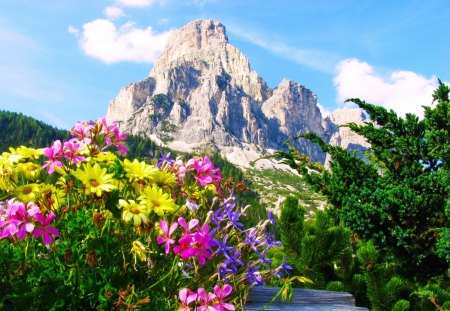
column 186, row 297
column 27, row 193
column 138, row 171
column 23, row 214
column 72, row 150
column 82, row 131
column 133, row 211
column 166, row 234
column 95, row 179
column 44, row 230
column 53, row 154
column 157, row 201
column 164, row 179
column 7, row 218
column 221, row 293
column 138, row 250
column 206, row 173
column 205, row 299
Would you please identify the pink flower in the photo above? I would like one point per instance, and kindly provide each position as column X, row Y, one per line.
column 166, row 234
column 221, row 293
column 45, row 231
column 53, row 153
column 8, row 219
column 206, row 173
column 81, row 131
column 72, row 150
column 23, row 215
column 187, row 228
column 205, row 299
column 186, row 297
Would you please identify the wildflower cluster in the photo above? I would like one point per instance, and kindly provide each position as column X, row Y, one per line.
column 89, row 225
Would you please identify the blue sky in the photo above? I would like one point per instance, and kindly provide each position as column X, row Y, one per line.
column 63, row 61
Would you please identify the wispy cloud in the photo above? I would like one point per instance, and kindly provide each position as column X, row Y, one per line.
column 113, row 12
column 403, row 91
column 315, row 59
column 101, row 39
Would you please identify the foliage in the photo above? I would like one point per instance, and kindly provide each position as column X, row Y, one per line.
column 398, row 197
column 84, row 229
column 18, row 130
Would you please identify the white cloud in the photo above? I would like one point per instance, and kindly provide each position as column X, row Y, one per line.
column 137, row 3
column 113, row 12
column 324, row 111
column 403, row 91
column 315, row 59
column 101, row 39
column 73, row 30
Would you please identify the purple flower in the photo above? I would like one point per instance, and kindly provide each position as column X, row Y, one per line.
column 165, row 158
column 44, row 230
column 283, row 269
column 222, row 247
column 234, row 260
column 253, row 276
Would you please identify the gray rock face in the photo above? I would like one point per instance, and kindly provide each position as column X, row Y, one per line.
column 202, row 93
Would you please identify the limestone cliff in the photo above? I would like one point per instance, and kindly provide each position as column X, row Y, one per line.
column 202, row 94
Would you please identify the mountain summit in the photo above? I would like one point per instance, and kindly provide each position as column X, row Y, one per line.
column 202, row 94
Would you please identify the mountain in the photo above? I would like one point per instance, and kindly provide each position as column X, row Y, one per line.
column 19, row 130
column 202, row 95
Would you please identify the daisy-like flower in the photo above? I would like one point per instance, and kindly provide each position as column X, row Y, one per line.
column 95, row 179
column 7, row 174
column 133, row 211
column 105, row 157
column 164, row 179
column 52, row 197
column 138, row 171
column 29, row 170
column 27, row 193
column 139, row 251
column 157, row 201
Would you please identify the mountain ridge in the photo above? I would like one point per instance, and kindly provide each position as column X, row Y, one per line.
column 202, row 94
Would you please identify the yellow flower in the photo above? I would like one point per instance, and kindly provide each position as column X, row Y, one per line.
column 138, row 170
column 27, row 193
column 107, row 157
column 164, row 179
column 26, row 153
column 51, row 197
column 133, row 211
column 7, row 173
column 95, row 179
column 29, row 170
column 157, row 201
column 139, row 250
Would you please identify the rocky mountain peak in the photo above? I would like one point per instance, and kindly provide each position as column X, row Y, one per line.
column 202, row 93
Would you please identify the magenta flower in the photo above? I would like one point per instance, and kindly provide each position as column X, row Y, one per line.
column 166, row 234
column 186, row 297
column 53, row 154
column 82, row 131
column 203, row 243
column 72, row 151
column 45, row 231
column 8, row 218
column 196, row 244
column 187, row 227
column 221, row 293
column 23, row 215
column 205, row 299
column 206, row 173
